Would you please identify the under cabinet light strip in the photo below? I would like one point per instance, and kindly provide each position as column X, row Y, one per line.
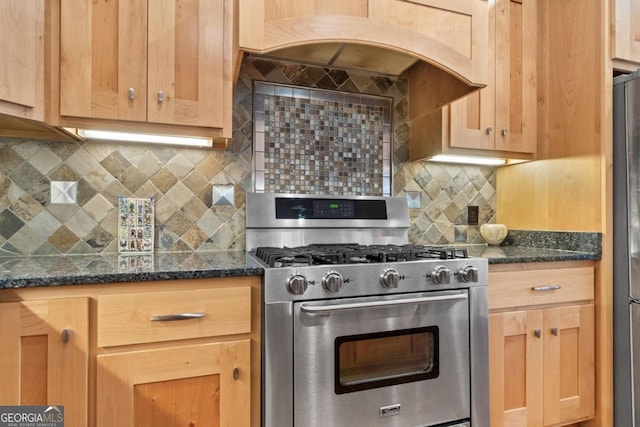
column 469, row 160
column 91, row 134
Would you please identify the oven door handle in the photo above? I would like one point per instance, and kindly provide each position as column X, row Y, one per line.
column 326, row 309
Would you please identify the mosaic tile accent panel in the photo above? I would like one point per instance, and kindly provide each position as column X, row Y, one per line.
column 321, row 142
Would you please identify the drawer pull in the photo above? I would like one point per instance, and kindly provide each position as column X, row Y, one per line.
column 546, row 288
column 172, row 317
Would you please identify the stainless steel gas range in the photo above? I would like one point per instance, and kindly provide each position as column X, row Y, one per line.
column 361, row 328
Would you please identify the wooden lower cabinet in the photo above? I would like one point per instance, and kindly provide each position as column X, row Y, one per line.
column 203, row 385
column 542, row 366
column 165, row 353
column 45, row 355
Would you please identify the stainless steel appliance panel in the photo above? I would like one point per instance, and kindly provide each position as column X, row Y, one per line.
column 626, row 271
column 419, row 403
column 479, row 349
column 277, row 360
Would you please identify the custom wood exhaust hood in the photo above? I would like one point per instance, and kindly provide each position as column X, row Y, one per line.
column 439, row 45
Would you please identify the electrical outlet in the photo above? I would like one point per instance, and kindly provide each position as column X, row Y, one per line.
column 472, row 215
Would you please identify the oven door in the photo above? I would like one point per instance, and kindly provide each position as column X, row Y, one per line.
column 382, row 361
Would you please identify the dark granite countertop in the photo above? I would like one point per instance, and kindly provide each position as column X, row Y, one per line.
column 55, row 270
column 542, row 246
column 524, row 254
column 33, row 271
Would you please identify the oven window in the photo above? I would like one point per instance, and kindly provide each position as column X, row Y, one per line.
column 385, row 358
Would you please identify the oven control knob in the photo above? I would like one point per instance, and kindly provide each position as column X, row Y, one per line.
column 389, row 278
column 468, row 274
column 332, row 281
column 441, row 275
column 297, row 284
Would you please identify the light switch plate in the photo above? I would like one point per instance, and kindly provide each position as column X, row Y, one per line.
column 64, row 192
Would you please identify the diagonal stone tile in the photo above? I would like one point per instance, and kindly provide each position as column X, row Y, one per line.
column 178, row 223
column 10, row 224
column 164, row 180
column 179, row 166
column 115, row 163
column 26, row 207
column 44, row 160
column 63, row 239
column 133, row 179
column 10, row 159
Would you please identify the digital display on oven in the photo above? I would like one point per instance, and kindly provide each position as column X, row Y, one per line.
column 333, row 209
column 317, row 208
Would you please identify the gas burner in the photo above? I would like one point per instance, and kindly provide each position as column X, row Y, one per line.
column 353, row 253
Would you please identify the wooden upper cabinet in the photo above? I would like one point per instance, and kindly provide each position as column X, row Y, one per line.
column 625, row 42
column 103, row 66
column 186, row 62
column 516, row 99
column 161, row 61
column 22, row 31
column 451, row 35
column 501, row 119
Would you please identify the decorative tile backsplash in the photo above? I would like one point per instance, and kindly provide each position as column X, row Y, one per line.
column 312, row 141
column 182, row 181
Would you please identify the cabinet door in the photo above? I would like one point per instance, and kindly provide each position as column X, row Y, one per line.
column 41, row 364
column 569, row 364
column 189, row 66
column 472, row 119
column 204, row 385
column 503, row 115
column 516, row 354
column 515, row 75
column 22, row 58
column 626, row 25
column 103, row 59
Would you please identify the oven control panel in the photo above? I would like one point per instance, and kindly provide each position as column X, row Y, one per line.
column 319, row 282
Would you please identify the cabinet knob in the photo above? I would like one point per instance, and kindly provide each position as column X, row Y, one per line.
column 489, row 130
column 65, row 335
column 554, row 331
column 537, row 333
column 132, row 93
column 504, row 132
column 160, row 96
column 236, row 373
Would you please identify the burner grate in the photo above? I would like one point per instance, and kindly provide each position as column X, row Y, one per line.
column 353, row 253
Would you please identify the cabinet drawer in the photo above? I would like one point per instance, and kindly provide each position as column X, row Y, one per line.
column 517, row 288
column 129, row 318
